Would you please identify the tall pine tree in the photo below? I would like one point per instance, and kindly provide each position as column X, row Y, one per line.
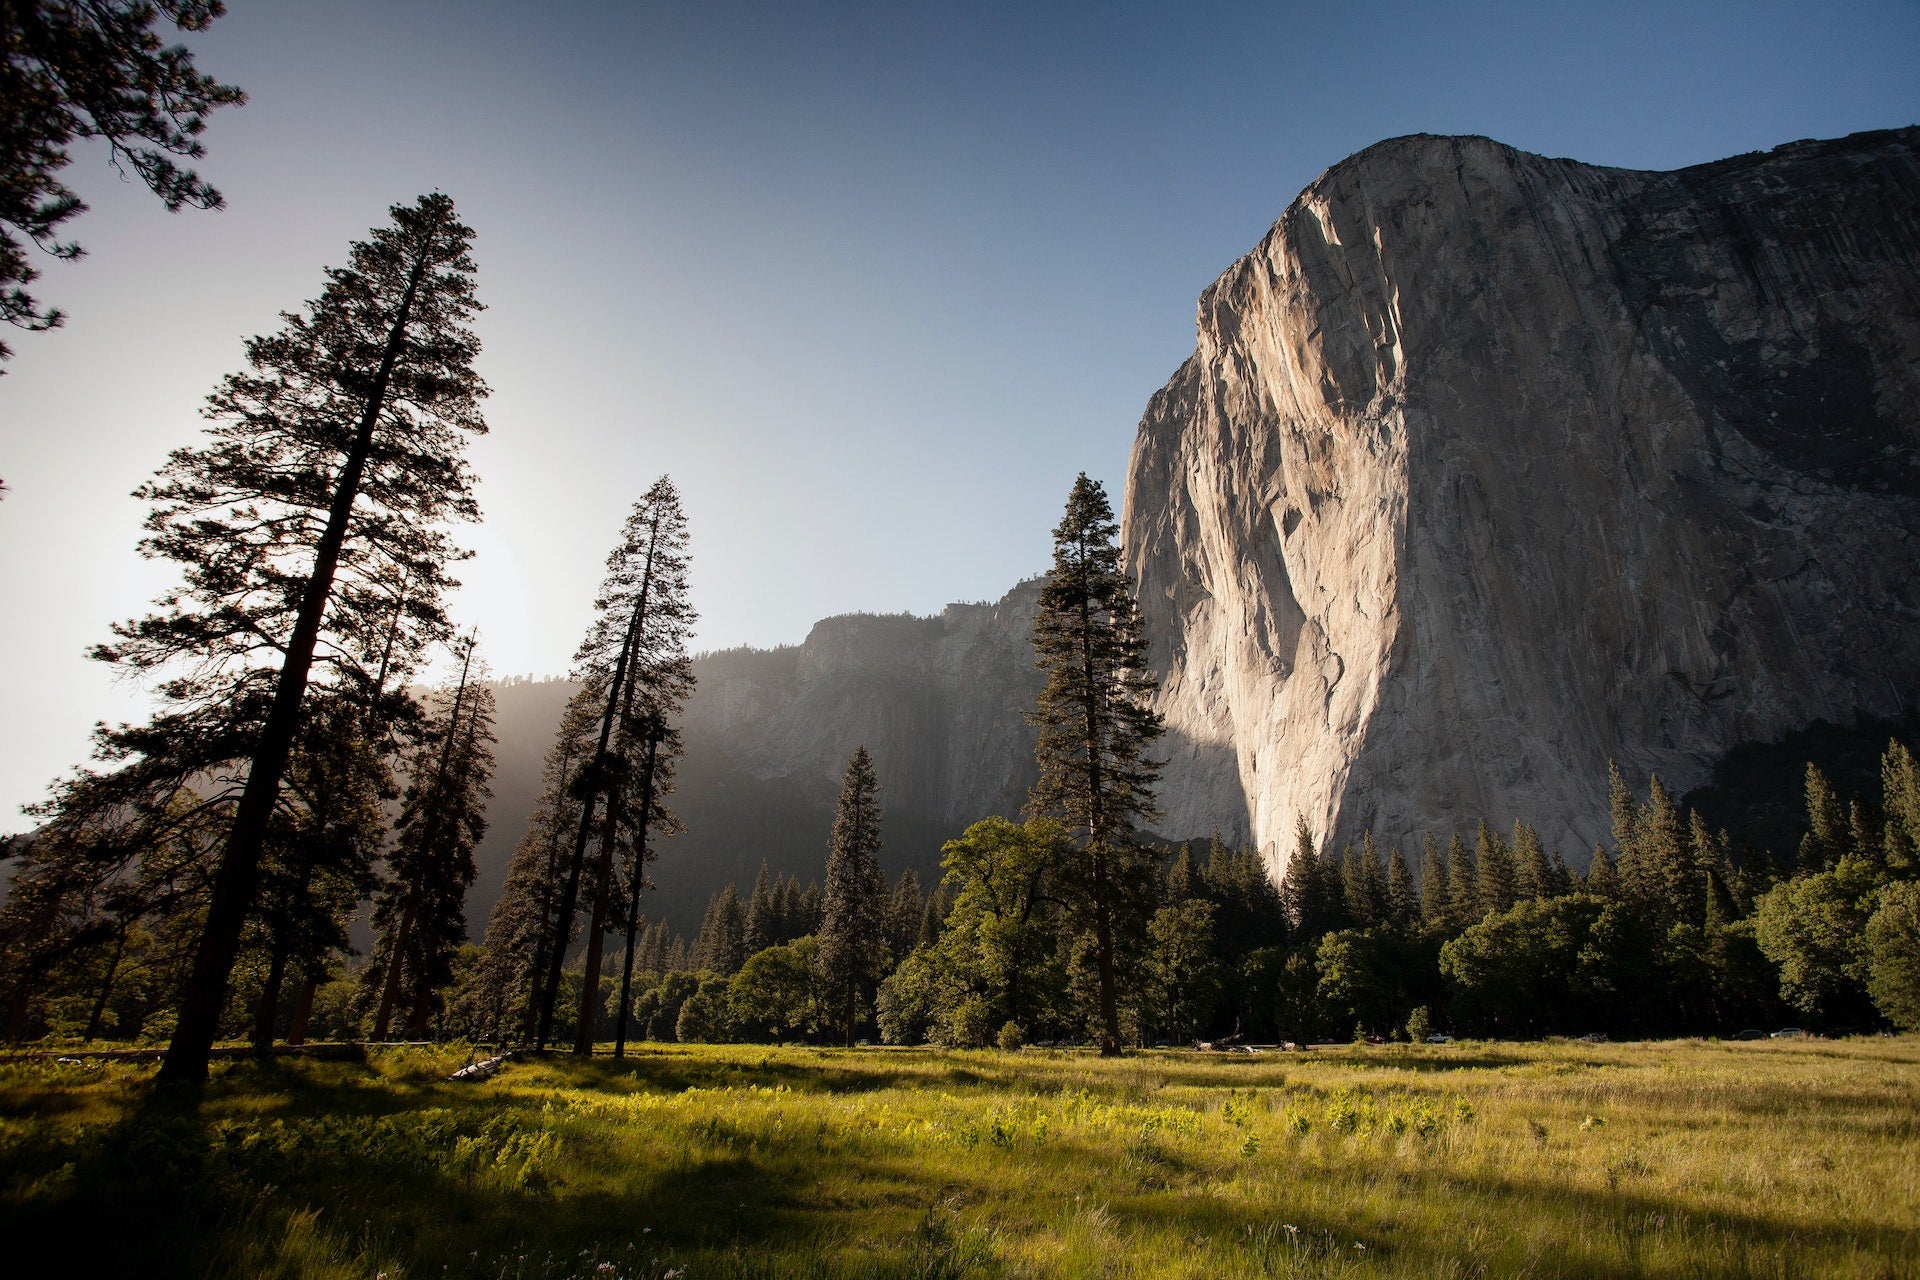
column 420, row 911
column 1463, row 885
column 1436, row 894
column 853, row 943
column 634, row 658
column 763, row 914
column 521, row 924
column 332, row 465
column 1497, row 892
column 1095, row 728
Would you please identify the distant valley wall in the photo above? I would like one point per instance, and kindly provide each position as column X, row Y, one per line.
column 938, row 701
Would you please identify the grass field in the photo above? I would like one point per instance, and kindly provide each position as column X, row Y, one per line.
column 1671, row 1159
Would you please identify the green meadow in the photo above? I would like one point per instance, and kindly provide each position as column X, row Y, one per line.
column 1682, row 1158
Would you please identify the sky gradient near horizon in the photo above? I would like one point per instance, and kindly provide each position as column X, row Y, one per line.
column 871, row 282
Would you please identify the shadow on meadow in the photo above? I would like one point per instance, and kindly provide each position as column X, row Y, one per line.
column 670, row 1070
column 300, row 1169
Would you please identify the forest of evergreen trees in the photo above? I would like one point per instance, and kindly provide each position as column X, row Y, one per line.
column 1664, row 934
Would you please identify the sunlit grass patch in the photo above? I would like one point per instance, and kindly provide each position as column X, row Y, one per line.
column 1684, row 1159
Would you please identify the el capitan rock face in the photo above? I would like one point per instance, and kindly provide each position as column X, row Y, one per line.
column 1489, row 467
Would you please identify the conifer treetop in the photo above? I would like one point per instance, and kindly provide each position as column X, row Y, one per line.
column 241, row 512
column 1093, row 713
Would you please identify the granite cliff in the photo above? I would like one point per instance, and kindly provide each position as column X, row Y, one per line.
column 1489, row 467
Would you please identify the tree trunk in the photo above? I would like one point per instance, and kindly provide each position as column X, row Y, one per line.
column 421, row 1013
column 633, row 904
column 205, row 992
column 390, row 980
column 1096, row 842
column 263, row 1015
column 570, row 896
column 302, row 1011
column 583, row 1035
column 541, row 940
column 17, row 1015
column 106, row 987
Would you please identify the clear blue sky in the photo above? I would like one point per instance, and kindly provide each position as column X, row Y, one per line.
column 872, row 282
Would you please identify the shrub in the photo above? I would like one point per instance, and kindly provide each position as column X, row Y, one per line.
column 908, row 999
column 778, row 991
column 707, row 1015
column 1813, row 928
column 1893, row 955
column 965, row 1025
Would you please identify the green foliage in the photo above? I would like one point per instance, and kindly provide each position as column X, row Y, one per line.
column 1813, row 929
column 781, row 993
column 853, row 926
column 1893, row 955
column 1361, row 981
column 967, row 1024
column 1184, row 976
column 1556, row 965
column 93, row 70
column 706, row 1016
column 912, row 998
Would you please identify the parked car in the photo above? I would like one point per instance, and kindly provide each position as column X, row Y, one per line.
column 1789, row 1033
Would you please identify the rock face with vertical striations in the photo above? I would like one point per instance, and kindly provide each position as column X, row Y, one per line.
column 1488, row 468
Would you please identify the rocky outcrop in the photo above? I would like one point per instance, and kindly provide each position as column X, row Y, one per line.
column 1489, row 467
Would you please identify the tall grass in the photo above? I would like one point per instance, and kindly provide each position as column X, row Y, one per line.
column 1660, row 1160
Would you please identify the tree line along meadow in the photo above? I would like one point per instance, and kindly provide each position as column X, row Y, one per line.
column 198, row 880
